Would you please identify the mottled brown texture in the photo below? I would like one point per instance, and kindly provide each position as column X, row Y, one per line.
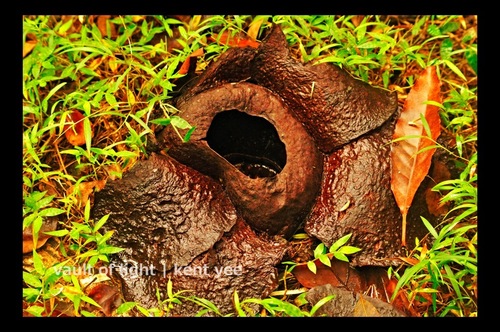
column 164, row 213
column 356, row 198
column 334, row 107
column 276, row 205
column 140, row 288
column 232, row 66
column 241, row 261
column 250, row 261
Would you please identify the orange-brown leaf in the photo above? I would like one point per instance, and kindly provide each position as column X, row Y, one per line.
column 253, row 30
column 74, row 130
column 411, row 157
column 365, row 308
column 84, row 189
column 400, row 301
column 29, row 44
column 102, row 25
column 187, row 63
column 107, row 296
column 233, row 41
column 339, row 274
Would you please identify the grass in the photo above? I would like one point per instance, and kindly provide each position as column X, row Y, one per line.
column 121, row 72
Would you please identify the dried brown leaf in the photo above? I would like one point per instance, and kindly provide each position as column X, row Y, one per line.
column 49, row 224
column 28, row 46
column 187, row 63
column 102, row 25
column 414, row 139
column 84, row 189
column 107, row 296
column 234, row 41
column 114, row 171
column 253, row 30
column 364, row 308
column 74, row 129
column 400, row 302
column 339, row 274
